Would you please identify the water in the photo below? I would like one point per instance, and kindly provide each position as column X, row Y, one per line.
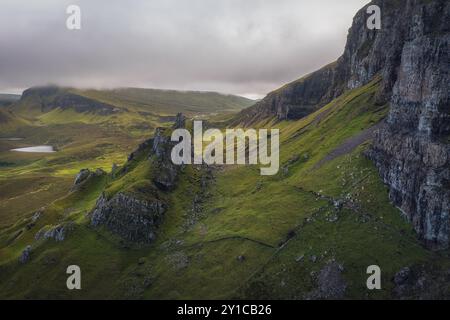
column 40, row 149
column 11, row 139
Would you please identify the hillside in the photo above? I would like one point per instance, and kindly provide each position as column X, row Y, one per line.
column 363, row 180
column 7, row 99
column 88, row 129
column 331, row 212
column 170, row 101
column 144, row 102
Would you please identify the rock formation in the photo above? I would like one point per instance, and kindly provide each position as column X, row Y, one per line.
column 134, row 217
column 411, row 150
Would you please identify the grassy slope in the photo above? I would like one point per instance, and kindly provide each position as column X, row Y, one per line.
column 84, row 140
column 271, row 221
column 166, row 102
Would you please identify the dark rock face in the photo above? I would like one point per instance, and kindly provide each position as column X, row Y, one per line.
column 166, row 172
column 57, row 233
column 26, row 255
column 330, row 282
column 144, row 145
column 180, row 121
column 420, row 282
column 84, row 176
column 412, row 150
column 132, row 219
column 368, row 53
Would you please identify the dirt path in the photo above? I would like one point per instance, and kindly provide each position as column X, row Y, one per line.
column 350, row 144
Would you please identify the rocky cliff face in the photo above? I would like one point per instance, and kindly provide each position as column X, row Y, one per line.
column 412, row 151
column 411, row 55
column 134, row 217
column 368, row 53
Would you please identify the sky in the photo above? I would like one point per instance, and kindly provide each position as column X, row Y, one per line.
column 244, row 47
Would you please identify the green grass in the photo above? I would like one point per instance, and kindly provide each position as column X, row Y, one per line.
column 270, row 221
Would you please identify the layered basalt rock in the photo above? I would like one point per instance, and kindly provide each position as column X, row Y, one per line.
column 412, row 151
column 410, row 54
column 133, row 219
column 166, row 172
column 136, row 216
column 367, row 53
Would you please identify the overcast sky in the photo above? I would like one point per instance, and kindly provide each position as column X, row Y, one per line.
column 246, row 47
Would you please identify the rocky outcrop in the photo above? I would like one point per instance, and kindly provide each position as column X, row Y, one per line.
column 133, row 219
column 412, row 150
column 410, row 54
column 26, row 255
column 180, row 121
column 136, row 216
column 368, row 53
column 57, row 233
column 330, row 282
column 421, row 282
column 84, row 176
column 166, row 172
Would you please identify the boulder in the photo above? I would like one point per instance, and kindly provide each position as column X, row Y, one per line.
column 26, row 254
column 133, row 219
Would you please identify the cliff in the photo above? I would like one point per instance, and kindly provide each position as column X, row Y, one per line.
column 411, row 151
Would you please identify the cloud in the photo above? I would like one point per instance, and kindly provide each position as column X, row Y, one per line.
column 234, row 46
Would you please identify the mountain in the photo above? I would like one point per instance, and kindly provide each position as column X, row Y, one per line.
column 7, row 99
column 411, row 55
column 9, row 122
column 38, row 100
column 363, row 143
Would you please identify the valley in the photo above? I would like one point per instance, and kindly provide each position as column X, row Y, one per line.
column 364, row 166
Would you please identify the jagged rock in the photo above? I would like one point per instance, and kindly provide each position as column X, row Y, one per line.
column 410, row 54
column 85, row 175
column 82, row 176
column 402, row 276
column 180, row 121
column 57, row 233
column 166, row 172
column 26, row 254
column 412, row 150
column 178, row 260
column 143, row 146
column 131, row 218
column 421, row 282
column 330, row 283
column 36, row 216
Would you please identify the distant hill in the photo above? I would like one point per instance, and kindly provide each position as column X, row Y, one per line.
column 7, row 99
column 8, row 121
column 170, row 101
column 38, row 100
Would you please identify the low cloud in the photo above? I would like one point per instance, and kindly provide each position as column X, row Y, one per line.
column 247, row 47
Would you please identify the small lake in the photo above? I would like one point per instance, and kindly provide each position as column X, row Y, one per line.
column 11, row 139
column 38, row 149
